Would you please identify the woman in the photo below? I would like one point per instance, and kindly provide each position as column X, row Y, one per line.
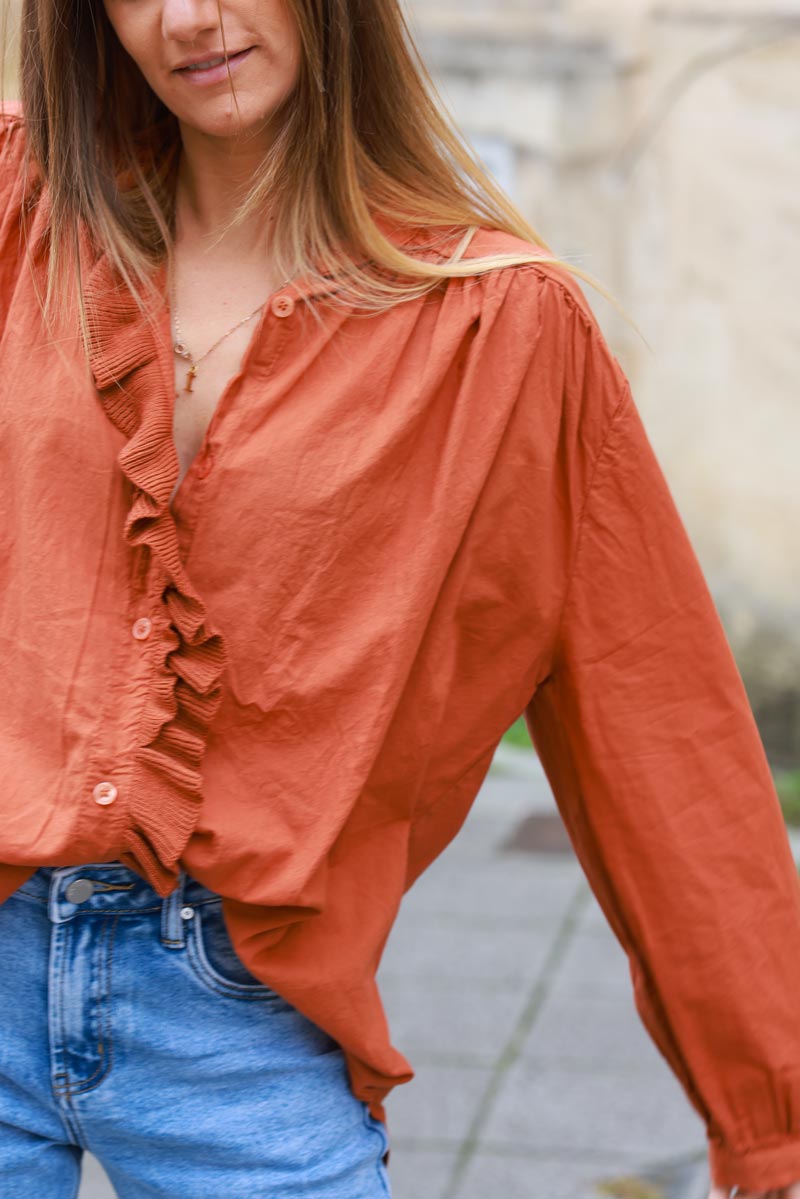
column 317, row 473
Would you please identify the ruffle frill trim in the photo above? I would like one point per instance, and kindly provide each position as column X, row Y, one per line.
column 185, row 690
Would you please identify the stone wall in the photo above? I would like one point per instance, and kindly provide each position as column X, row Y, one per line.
column 657, row 146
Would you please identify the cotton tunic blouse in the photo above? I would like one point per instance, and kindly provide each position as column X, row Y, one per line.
column 402, row 532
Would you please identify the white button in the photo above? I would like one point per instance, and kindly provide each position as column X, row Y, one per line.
column 104, row 793
column 142, row 628
column 187, row 913
column 283, row 306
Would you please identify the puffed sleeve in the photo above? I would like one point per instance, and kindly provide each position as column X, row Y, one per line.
column 645, row 733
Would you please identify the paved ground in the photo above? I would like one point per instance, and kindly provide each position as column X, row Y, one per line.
column 509, row 994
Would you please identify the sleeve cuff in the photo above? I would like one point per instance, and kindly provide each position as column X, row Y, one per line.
column 764, row 1168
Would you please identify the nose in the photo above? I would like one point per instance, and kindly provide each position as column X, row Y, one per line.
column 185, row 20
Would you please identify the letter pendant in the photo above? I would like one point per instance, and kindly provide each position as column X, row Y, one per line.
column 190, row 374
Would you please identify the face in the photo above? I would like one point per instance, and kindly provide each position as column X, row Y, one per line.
column 177, row 46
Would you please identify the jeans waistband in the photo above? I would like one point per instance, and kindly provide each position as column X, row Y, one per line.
column 111, row 888
column 108, row 884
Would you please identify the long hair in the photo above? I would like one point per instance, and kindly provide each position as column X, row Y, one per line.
column 362, row 139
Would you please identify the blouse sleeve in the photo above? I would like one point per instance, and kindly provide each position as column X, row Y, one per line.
column 644, row 730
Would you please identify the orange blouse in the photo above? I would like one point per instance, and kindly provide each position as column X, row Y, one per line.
column 402, row 531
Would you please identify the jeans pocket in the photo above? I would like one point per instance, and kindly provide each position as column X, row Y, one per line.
column 215, row 960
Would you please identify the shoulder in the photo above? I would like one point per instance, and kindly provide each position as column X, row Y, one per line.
column 12, row 152
column 20, row 192
column 543, row 285
column 12, row 129
column 522, row 277
column 549, row 341
column 533, row 310
column 525, row 277
column 10, row 111
column 539, row 305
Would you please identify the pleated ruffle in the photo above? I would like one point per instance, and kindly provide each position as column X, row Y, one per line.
column 189, row 656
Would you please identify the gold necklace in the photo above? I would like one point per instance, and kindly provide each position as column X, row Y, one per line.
column 181, row 349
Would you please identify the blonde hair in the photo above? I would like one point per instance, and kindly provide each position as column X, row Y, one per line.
column 361, row 138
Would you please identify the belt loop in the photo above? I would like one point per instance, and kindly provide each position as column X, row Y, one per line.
column 58, row 908
column 172, row 924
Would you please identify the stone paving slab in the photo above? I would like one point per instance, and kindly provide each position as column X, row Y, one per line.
column 438, row 1107
column 510, row 889
column 462, row 1021
column 594, row 964
column 590, row 1033
column 512, row 1176
column 436, row 949
column 553, row 1107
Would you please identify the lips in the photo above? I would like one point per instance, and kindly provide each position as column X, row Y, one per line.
column 209, row 63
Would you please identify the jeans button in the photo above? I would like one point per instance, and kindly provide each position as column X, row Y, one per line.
column 79, row 889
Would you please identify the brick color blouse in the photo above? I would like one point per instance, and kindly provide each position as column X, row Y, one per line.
column 401, row 532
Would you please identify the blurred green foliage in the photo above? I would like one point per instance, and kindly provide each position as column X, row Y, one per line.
column 518, row 735
column 787, row 783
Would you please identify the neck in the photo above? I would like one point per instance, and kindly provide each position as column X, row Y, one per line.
column 214, row 175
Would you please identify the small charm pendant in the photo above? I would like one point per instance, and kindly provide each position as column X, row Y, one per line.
column 180, row 349
column 190, row 374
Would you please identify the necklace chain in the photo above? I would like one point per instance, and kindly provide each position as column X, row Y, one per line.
column 181, row 349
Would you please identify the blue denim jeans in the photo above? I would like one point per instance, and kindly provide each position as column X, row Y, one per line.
column 130, row 1027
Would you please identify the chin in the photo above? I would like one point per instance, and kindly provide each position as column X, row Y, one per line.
column 220, row 118
column 224, row 123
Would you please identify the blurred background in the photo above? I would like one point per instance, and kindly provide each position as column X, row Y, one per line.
column 656, row 144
